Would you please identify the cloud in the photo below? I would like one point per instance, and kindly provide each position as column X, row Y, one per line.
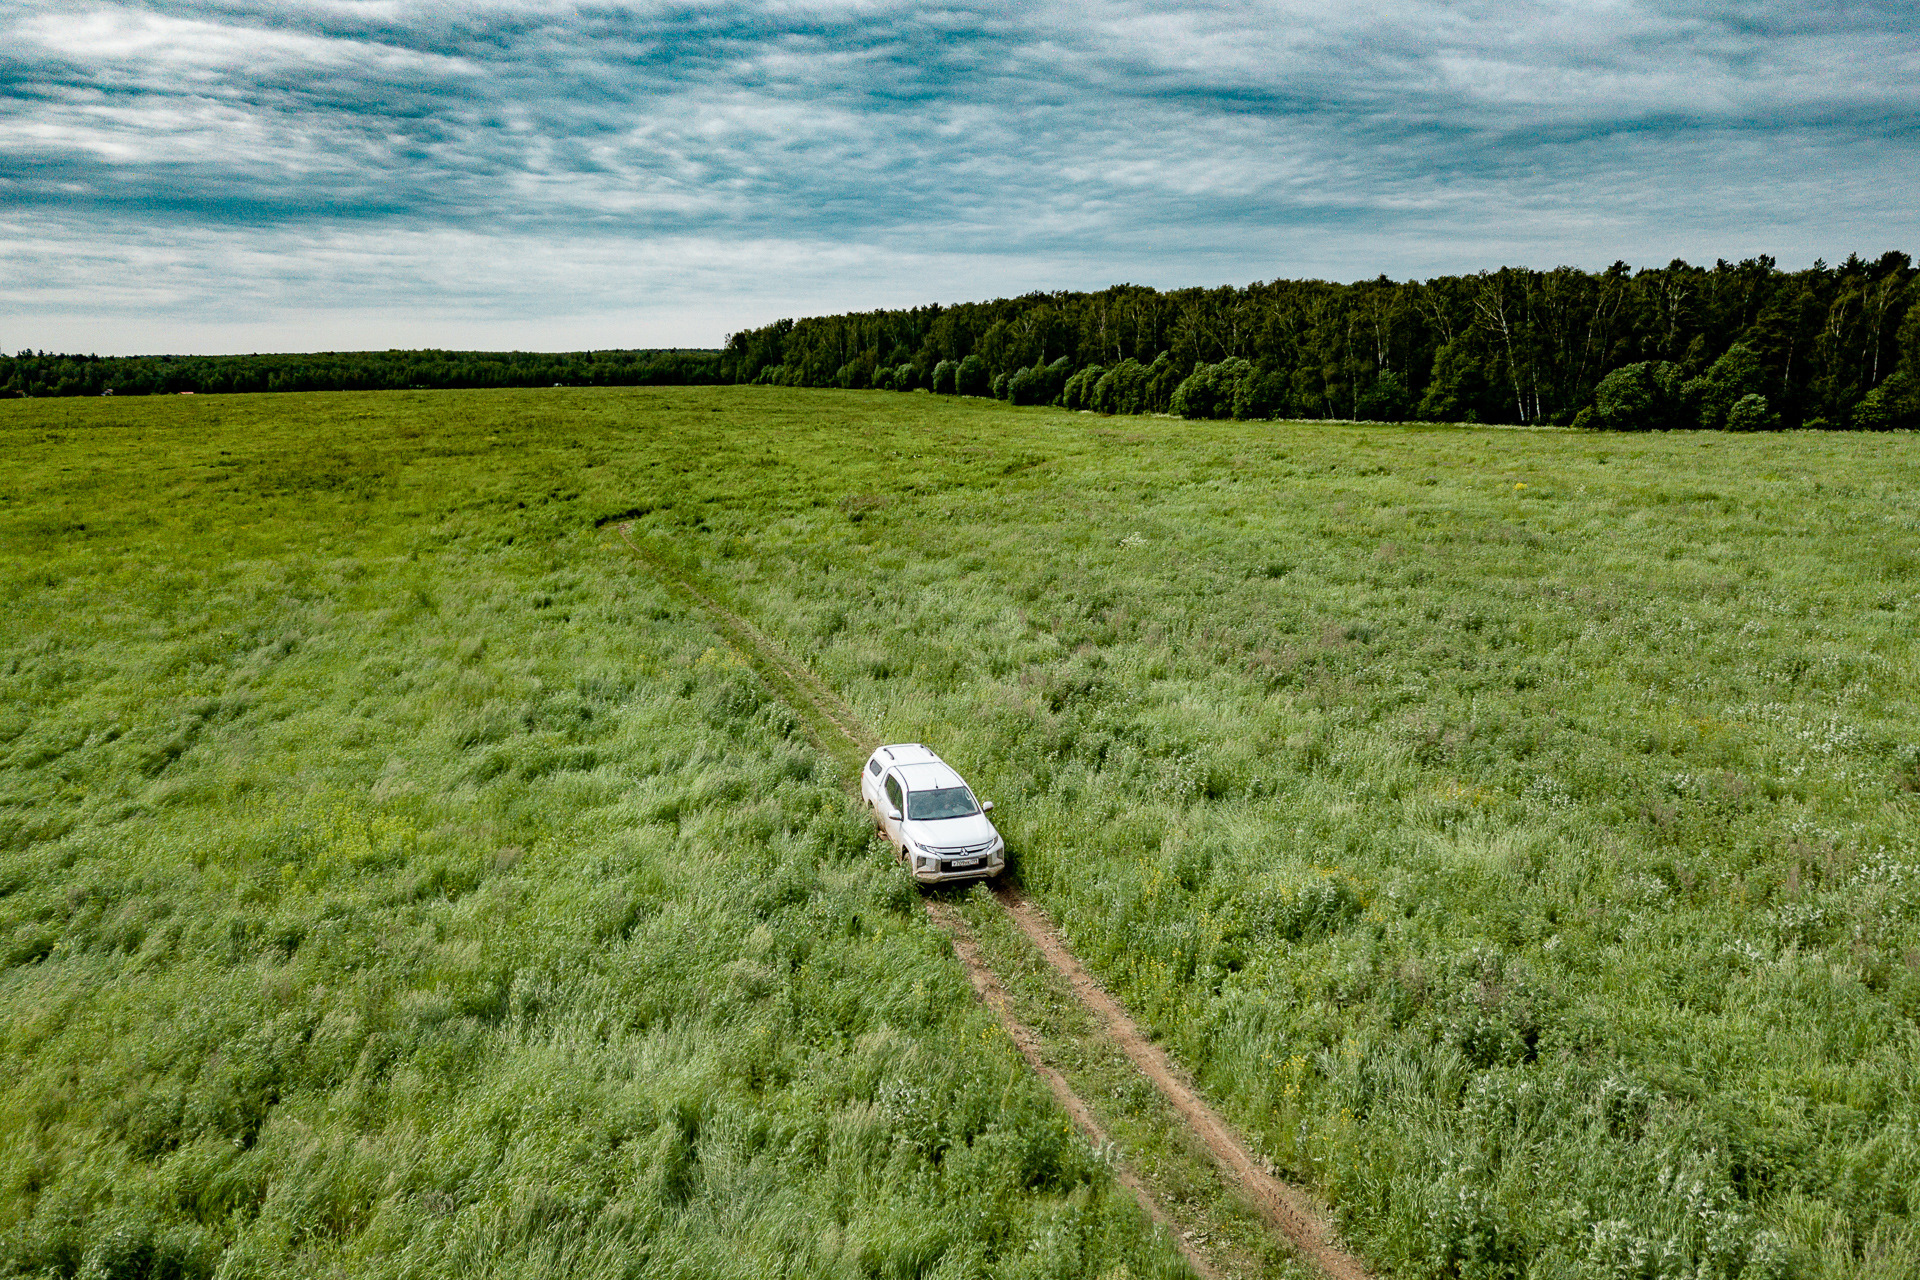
column 255, row 157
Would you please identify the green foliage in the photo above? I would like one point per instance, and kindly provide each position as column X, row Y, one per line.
column 1459, row 390
column 1387, row 400
column 46, row 374
column 1229, row 389
column 1259, row 394
column 1039, row 384
column 1731, row 379
column 972, row 377
column 1130, row 387
column 1894, row 405
column 1078, row 392
column 1510, row 345
column 1908, row 337
column 1638, row 397
column 1751, row 412
column 944, row 374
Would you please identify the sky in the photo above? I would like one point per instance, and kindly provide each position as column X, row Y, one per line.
column 243, row 175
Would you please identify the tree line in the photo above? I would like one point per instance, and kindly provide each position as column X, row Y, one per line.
column 38, row 373
column 1743, row 346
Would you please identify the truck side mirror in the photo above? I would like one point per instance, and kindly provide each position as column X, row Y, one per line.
column 987, row 807
column 893, row 813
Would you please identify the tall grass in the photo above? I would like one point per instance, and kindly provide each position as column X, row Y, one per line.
column 1515, row 831
column 395, row 882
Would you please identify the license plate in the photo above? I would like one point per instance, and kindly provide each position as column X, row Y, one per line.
column 963, row 864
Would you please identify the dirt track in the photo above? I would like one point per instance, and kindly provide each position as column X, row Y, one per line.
column 1288, row 1208
column 987, row 984
column 1283, row 1204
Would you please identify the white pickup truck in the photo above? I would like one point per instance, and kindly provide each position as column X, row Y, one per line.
column 928, row 813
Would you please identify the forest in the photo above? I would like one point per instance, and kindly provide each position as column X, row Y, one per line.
column 39, row 373
column 1738, row 345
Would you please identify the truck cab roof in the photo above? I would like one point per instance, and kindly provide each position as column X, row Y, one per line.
column 929, row 777
column 919, row 768
column 906, row 753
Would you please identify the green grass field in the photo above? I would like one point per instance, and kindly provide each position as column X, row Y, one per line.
column 1513, row 831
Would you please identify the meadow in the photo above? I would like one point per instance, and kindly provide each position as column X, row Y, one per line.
column 395, row 883
column 1513, row 832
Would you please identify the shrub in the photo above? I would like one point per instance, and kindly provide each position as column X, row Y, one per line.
column 1122, row 389
column 1387, row 400
column 1894, row 405
column 1040, row 384
column 1258, row 395
column 1078, row 393
column 1020, row 386
column 1733, row 377
column 1211, row 389
column 1163, row 375
column 1310, row 909
column 1752, row 413
column 943, row 377
column 1636, row 397
column 972, row 378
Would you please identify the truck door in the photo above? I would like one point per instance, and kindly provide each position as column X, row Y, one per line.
column 896, row 803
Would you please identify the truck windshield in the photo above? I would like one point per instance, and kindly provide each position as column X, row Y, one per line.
column 943, row 802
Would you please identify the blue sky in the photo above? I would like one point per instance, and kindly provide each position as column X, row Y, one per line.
column 232, row 175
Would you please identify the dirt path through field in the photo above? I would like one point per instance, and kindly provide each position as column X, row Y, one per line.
column 1283, row 1204
column 763, row 652
column 987, row 985
column 1288, row 1208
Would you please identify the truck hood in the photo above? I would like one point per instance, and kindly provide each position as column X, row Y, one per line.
column 952, row 833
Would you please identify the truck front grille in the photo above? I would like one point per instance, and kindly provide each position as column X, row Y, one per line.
column 968, row 859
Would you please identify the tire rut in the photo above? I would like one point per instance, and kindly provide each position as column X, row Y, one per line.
column 986, row 985
column 1289, row 1209
column 743, row 634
